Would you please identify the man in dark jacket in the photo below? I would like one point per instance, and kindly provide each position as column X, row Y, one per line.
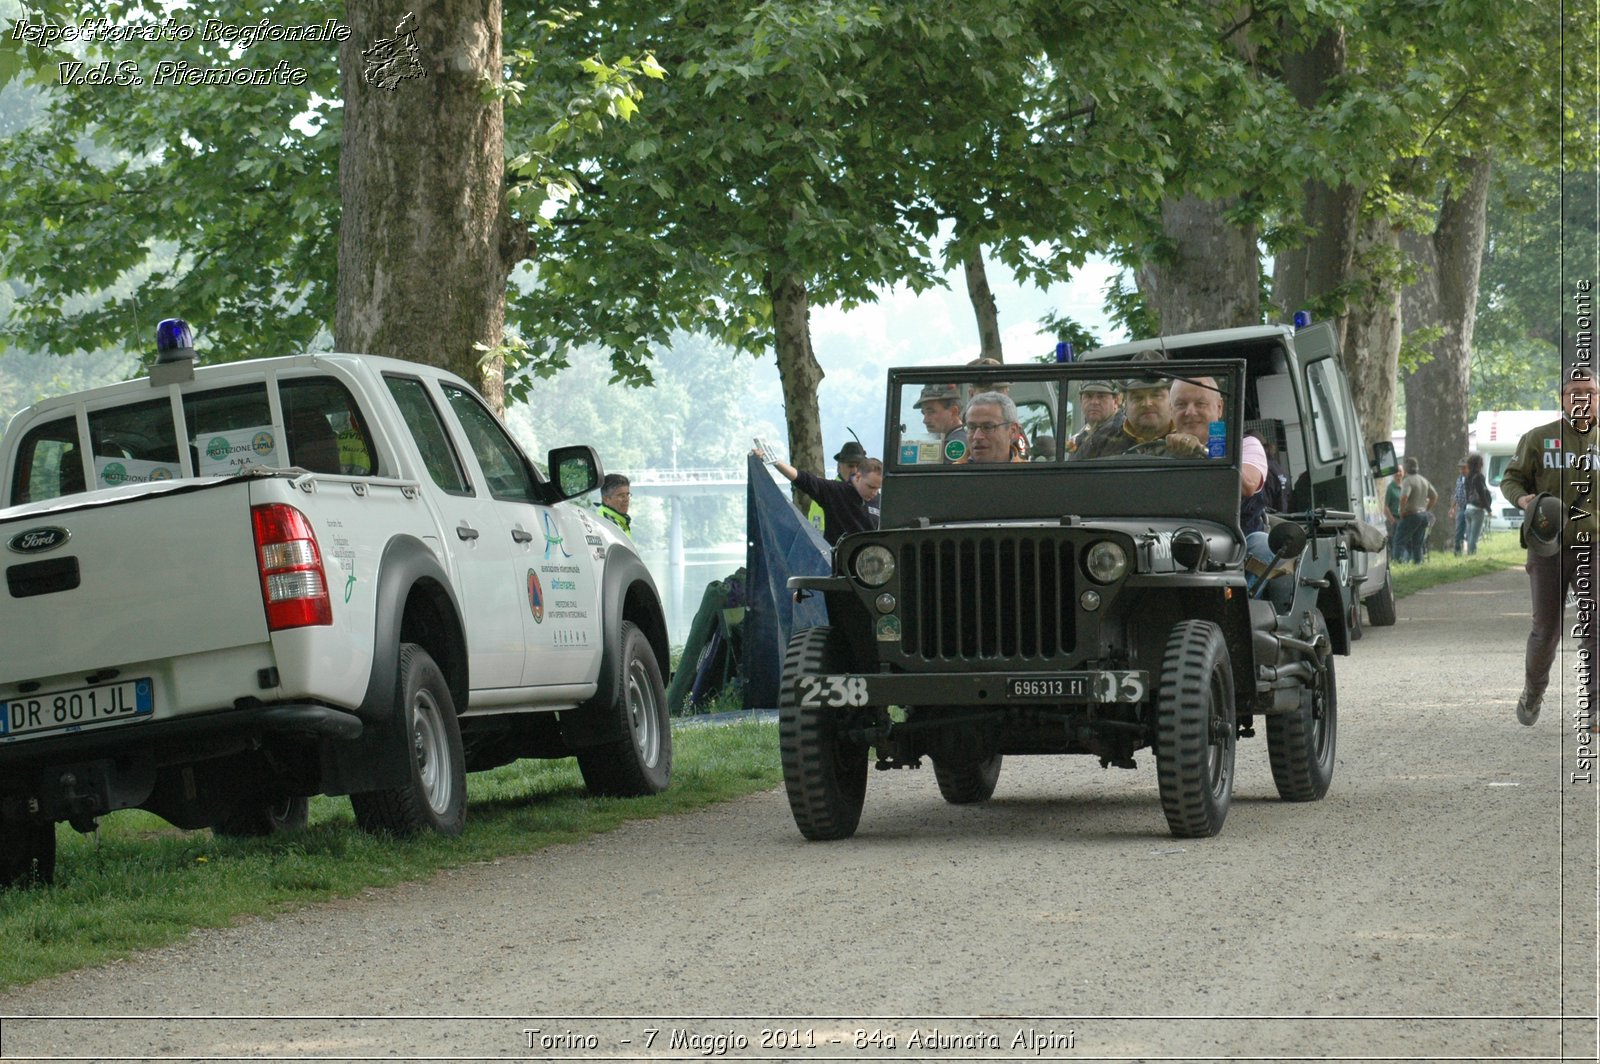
column 1559, row 458
column 844, row 504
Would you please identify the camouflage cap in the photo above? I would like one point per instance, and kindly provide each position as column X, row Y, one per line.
column 1146, row 379
column 938, row 393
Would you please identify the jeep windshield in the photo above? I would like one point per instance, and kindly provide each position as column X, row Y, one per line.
column 1047, row 441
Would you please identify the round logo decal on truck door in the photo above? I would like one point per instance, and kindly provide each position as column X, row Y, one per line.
column 535, row 597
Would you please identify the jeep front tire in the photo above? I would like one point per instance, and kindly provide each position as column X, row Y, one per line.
column 824, row 772
column 1195, row 731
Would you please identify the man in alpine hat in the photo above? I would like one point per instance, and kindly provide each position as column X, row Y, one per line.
column 1552, row 479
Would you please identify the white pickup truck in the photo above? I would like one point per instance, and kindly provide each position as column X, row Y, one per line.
column 232, row 587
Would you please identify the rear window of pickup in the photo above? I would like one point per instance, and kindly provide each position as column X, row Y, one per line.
column 224, row 431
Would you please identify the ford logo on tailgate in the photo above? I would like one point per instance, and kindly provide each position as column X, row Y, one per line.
column 38, row 540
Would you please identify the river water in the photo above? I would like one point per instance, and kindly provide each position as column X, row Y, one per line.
column 683, row 587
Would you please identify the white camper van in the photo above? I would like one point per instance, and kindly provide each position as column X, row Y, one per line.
column 1494, row 435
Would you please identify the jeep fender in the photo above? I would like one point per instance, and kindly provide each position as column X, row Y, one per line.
column 628, row 593
column 415, row 604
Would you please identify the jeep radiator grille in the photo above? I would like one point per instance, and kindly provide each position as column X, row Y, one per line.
column 972, row 597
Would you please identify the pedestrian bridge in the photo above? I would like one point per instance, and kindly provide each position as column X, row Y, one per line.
column 677, row 484
column 681, row 482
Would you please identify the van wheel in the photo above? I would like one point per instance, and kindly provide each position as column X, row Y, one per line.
column 1380, row 607
column 27, row 854
column 434, row 796
column 640, row 763
column 967, row 782
column 1300, row 744
column 1195, row 730
column 824, row 772
column 264, row 819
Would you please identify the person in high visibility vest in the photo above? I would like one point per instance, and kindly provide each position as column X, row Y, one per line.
column 849, row 459
column 615, row 494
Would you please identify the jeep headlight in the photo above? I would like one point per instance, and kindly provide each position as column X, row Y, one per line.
column 874, row 565
column 1106, row 562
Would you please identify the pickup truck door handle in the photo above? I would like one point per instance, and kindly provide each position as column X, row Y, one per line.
column 520, row 536
column 466, row 532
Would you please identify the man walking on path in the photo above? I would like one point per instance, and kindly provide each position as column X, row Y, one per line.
column 1559, row 459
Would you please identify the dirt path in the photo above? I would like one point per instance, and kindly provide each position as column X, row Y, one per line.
column 1440, row 902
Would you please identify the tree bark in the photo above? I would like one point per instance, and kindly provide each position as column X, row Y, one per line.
column 983, row 306
column 1212, row 277
column 423, row 248
column 798, row 372
column 1372, row 336
column 1316, row 275
column 1446, row 297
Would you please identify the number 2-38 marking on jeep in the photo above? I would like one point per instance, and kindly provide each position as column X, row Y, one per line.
column 833, row 691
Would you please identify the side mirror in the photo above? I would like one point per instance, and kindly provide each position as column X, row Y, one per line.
column 1287, row 539
column 574, row 471
column 1384, row 463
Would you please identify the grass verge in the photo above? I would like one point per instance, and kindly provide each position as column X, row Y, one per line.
column 1496, row 551
column 139, row 883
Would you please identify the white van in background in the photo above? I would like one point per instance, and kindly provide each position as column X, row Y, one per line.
column 1494, row 435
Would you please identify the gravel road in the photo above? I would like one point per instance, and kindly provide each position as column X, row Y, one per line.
column 1440, row 902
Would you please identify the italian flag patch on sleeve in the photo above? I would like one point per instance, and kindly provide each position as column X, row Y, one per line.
column 1552, row 444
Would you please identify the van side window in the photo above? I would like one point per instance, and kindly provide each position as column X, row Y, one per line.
column 49, row 463
column 438, row 455
column 1326, row 415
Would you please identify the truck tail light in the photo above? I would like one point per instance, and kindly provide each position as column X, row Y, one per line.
column 294, row 588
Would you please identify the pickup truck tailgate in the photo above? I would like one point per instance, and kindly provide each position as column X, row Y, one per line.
column 101, row 599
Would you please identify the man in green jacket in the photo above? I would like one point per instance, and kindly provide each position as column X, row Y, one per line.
column 1560, row 458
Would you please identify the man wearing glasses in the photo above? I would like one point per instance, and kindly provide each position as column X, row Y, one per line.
column 992, row 429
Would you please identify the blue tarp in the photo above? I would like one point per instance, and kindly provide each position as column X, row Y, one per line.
column 780, row 543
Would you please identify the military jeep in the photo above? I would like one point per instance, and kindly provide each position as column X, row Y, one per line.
column 1050, row 603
